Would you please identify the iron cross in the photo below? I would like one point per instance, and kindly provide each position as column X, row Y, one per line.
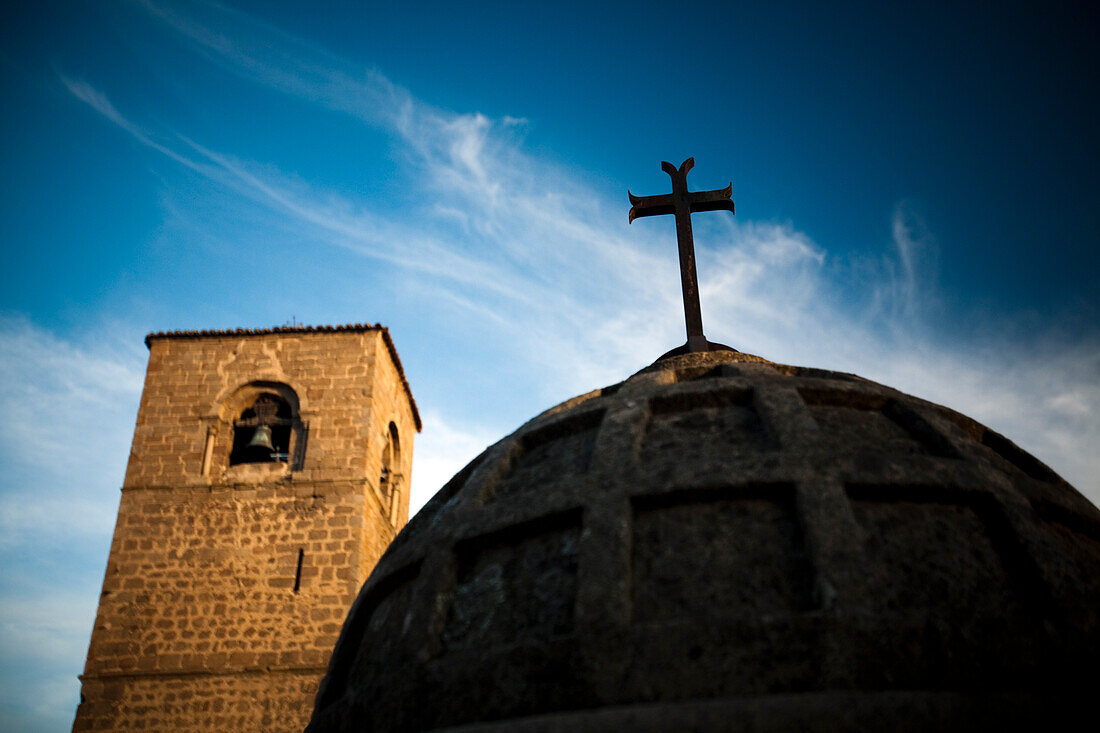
column 683, row 204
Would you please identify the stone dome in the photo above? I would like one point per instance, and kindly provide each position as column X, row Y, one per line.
column 725, row 543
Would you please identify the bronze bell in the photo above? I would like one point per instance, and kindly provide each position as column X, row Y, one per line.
column 261, row 438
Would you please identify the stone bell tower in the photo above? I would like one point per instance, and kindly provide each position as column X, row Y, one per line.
column 268, row 473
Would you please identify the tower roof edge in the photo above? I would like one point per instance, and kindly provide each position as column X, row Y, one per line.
column 347, row 327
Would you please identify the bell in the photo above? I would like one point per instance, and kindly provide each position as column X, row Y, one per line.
column 261, row 438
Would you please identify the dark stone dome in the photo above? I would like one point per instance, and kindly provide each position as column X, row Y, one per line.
column 724, row 543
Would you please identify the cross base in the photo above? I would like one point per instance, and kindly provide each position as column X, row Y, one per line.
column 689, row 348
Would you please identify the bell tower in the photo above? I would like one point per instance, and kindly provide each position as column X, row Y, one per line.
column 268, row 473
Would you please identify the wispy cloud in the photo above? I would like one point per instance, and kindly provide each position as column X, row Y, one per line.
column 68, row 415
column 98, row 101
column 540, row 258
column 264, row 54
column 546, row 265
column 62, row 400
column 506, row 227
column 42, row 631
column 441, row 451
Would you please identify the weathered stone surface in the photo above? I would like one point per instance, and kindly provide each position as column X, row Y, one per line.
column 720, row 543
column 201, row 623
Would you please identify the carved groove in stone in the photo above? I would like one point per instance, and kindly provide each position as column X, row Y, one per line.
column 694, row 425
column 373, row 633
column 718, row 552
column 556, row 452
column 903, row 574
column 975, row 563
column 853, row 421
column 520, row 581
column 1009, row 451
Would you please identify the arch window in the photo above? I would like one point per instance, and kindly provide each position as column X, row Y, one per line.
column 389, row 481
column 262, row 432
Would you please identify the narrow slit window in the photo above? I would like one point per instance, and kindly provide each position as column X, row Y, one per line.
column 298, row 572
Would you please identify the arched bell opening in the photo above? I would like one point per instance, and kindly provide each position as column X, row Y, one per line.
column 262, row 432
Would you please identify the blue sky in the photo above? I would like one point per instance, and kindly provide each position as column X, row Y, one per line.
column 915, row 191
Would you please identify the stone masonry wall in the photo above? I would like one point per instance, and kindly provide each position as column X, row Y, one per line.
column 208, row 702
column 194, row 386
column 205, row 621
column 387, row 399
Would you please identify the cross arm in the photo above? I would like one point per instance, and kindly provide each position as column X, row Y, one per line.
column 651, row 205
column 712, row 200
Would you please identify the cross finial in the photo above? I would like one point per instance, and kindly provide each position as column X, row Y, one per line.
column 683, row 203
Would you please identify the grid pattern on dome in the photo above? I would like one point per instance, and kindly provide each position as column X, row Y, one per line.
column 757, row 528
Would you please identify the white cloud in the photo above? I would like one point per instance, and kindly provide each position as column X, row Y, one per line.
column 68, row 411
column 30, row 633
column 509, row 226
column 440, row 452
column 68, row 408
column 589, row 300
column 548, row 266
